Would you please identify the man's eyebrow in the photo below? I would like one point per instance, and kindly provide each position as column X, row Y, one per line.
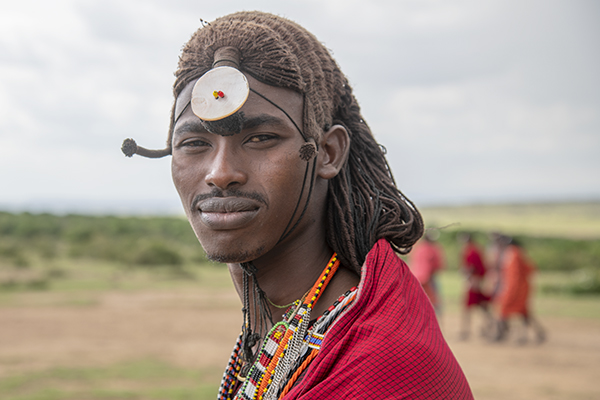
column 262, row 119
column 191, row 126
column 248, row 123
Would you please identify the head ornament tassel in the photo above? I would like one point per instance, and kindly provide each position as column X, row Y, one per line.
column 130, row 147
column 217, row 96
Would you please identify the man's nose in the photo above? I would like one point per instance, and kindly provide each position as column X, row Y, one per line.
column 226, row 170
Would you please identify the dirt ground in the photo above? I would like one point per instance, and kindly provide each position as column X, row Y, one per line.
column 197, row 330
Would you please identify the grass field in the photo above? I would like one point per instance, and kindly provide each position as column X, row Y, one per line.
column 102, row 332
column 159, row 337
column 140, row 379
column 78, row 327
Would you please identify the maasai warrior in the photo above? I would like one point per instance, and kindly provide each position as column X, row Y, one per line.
column 426, row 260
column 474, row 271
column 514, row 296
column 281, row 179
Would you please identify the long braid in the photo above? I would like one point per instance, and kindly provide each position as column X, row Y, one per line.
column 365, row 189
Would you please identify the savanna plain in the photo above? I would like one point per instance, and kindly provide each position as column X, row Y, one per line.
column 98, row 308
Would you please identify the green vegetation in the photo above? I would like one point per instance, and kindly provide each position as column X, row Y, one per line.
column 37, row 251
column 145, row 241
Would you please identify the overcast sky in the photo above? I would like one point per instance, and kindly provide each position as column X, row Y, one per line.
column 476, row 101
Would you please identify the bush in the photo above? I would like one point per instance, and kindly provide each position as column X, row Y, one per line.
column 158, row 254
column 582, row 282
column 586, row 281
column 15, row 255
column 563, row 254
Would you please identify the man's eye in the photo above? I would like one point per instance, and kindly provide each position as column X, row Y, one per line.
column 193, row 143
column 260, row 138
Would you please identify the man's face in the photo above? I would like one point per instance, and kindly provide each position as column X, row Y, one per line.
column 239, row 192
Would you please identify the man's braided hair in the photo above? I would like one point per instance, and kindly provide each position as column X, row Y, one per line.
column 363, row 203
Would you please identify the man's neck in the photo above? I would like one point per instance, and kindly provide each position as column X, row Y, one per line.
column 287, row 271
column 285, row 274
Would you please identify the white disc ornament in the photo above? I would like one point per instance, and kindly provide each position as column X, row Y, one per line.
column 219, row 93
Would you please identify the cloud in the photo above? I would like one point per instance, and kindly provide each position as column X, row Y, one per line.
column 503, row 94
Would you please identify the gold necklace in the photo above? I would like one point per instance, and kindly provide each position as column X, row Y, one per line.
column 288, row 305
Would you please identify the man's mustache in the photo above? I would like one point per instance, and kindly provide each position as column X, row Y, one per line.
column 216, row 192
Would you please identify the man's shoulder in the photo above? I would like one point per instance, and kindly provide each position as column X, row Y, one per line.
column 390, row 301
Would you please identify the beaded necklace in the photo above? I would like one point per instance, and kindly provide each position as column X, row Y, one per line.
column 288, row 348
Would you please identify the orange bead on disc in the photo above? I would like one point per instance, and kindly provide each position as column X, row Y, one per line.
column 219, row 93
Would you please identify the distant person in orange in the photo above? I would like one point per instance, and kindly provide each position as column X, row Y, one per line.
column 426, row 260
column 474, row 270
column 516, row 291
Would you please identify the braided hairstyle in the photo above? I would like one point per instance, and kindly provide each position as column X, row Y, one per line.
column 363, row 203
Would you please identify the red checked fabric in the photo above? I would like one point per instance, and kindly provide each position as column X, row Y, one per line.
column 387, row 345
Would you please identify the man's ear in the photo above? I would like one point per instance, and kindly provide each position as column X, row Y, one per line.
column 333, row 151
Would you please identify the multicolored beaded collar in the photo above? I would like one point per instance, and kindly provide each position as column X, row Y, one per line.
column 288, row 348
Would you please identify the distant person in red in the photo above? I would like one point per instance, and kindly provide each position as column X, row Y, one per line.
column 474, row 270
column 514, row 295
column 426, row 260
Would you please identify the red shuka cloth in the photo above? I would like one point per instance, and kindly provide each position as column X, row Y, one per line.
column 387, row 345
column 516, row 273
column 472, row 260
column 472, row 263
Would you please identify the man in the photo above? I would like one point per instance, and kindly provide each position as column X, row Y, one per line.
column 513, row 298
column 426, row 260
column 474, row 271
column 281, row 179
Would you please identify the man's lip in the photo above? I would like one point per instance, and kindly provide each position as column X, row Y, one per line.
column 227, row 213
column 227, row 205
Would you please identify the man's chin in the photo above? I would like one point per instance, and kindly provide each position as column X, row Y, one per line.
column 230, row 257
